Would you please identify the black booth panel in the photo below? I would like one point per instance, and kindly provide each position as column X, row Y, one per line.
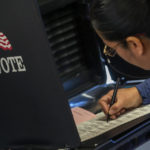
column 30, row 98
column 74, row 46
column 51, row 5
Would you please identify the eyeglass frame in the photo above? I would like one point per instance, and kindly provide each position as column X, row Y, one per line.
column 112, row 52
column 109, row 52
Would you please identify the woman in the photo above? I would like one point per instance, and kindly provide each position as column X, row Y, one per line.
column 124, row 27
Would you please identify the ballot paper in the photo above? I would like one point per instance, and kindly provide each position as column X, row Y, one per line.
column 99, row 126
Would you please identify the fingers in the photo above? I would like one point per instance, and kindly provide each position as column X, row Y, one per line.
column 116, row 108
column 105, row 103
column 123, row 111
column 118, row 114
column 113, row 117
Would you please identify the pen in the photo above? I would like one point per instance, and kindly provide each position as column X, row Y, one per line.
column 114, row 96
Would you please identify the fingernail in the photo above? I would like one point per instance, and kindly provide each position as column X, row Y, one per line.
column 111, row 112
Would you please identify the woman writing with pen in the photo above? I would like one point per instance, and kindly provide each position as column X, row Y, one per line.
column 124, row 27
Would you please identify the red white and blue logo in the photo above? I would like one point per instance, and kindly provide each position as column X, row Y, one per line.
column 10, row 64
column 4, row 42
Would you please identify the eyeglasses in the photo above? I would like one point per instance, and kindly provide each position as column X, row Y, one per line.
column 109, row 51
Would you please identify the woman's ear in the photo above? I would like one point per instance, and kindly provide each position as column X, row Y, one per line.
column 135, row 45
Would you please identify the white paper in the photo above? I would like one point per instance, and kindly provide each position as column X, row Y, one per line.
column 99, row 125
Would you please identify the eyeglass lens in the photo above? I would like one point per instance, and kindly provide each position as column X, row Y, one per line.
column 109, row 51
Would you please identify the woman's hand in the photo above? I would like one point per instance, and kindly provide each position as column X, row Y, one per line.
column 126, row 98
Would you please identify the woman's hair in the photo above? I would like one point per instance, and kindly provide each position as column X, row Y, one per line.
column 118, row 19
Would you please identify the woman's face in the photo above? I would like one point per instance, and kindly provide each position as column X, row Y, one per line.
column 128, row 54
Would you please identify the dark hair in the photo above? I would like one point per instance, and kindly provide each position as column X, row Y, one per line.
column 118, row 19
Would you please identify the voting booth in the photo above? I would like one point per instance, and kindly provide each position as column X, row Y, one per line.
column 51, row 62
